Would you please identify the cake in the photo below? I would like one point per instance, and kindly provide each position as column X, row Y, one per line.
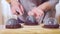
column 30, row 20
column 51, row 23
column 12, row 24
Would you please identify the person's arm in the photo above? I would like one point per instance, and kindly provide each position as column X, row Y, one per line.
column 48, row 5
column 39, row 11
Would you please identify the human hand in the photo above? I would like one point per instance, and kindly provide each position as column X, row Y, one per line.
column 37, row 12
column 16, row 6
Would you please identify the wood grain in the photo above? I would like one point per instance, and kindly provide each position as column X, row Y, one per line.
column 30, row 30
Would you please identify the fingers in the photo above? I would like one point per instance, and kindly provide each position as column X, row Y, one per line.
column 30, row 13
column 16, row 7
column 13, row 10
column 37, row 13
column 21, row 10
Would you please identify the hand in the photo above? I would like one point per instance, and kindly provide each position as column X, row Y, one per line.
column 37, row 12
column 16, row 6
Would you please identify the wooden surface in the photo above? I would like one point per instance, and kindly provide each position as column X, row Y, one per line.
column 30, row 30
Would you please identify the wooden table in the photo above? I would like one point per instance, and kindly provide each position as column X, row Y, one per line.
column 30, row 30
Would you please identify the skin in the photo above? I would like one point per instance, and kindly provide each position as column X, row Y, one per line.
column 15, row 5
column 37, row 11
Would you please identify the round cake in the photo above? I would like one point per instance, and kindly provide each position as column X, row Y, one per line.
column 51, row 26
column 12, row 24
column 30, row 20
column 51, row 23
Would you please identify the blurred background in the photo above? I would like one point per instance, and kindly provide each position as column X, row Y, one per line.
column 5, row 12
